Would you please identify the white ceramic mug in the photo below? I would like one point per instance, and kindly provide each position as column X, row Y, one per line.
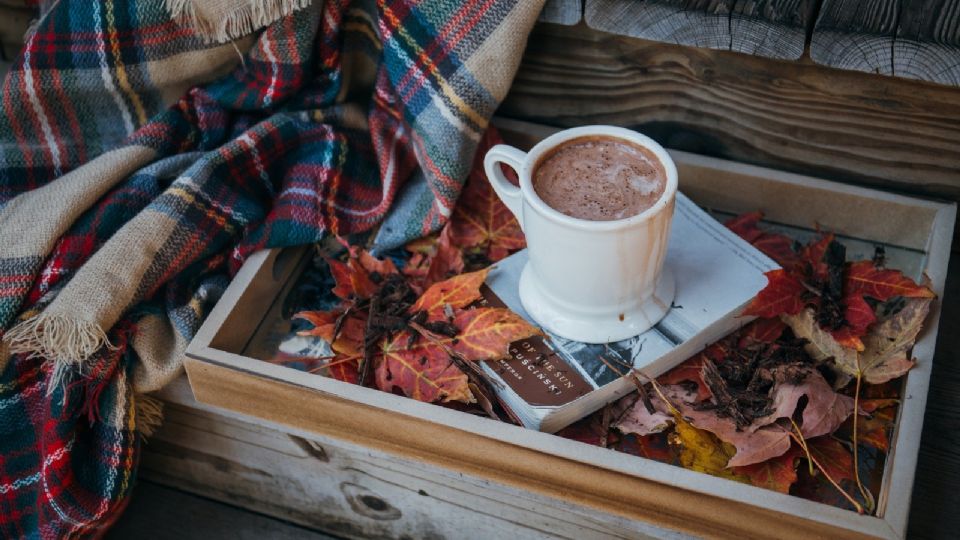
column 589, row 281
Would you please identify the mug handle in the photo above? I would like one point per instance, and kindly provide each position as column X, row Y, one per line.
column 508, row 193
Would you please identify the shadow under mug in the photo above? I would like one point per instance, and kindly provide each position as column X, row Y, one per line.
column 589, row 281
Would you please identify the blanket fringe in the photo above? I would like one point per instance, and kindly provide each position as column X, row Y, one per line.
column 247, row 17
column 59, row 338
column 149, row 413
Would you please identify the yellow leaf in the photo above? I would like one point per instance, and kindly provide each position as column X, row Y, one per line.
column 702, row 451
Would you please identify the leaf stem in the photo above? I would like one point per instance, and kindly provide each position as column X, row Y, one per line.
column 802, row 443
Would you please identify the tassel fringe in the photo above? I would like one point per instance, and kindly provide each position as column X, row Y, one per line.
column 149, row 414
column 59, row 338
column 247, row 17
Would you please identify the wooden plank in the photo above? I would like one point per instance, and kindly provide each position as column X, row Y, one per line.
column 918, row 39
column 933, row 515
column 562, row 12
column 856, row 34
column 927, row 44
column 700, row 23
column 876, row 131
column 769, row 28
column 163, row 513
column 349, row 490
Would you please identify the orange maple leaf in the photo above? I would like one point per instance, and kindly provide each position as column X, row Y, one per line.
column 777, row 474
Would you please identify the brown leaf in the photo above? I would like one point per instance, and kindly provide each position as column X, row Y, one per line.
column 825, row 409
column 821, row 346
column 887, row 345
column 751, row 446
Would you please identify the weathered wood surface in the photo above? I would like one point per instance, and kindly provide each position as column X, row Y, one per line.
column 770, row 28
column 349, row 490
column 877, row 131
column 162, row 513
column 562, row 11
column 917, row 39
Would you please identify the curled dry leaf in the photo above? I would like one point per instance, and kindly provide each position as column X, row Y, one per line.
column 825, row 409
column 885, row 356
column 886, row 345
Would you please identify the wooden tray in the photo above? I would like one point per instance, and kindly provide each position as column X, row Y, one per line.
column 646, row 497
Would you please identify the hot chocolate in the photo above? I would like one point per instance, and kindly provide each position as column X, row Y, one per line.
column 599, row 179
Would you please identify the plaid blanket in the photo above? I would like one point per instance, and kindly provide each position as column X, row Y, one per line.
column 141, row 164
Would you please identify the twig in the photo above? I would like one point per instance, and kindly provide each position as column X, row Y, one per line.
column 470, row 369
column 803, row 445
column 867, row 497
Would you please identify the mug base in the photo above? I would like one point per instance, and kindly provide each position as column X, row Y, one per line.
column 596, row 327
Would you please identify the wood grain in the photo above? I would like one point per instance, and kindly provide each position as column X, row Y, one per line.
column 917, row 39
column 769, row 28
column 562, row 11
column 869, row 130
column 927, row 45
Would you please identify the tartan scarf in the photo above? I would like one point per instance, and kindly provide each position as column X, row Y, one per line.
column 140, row 165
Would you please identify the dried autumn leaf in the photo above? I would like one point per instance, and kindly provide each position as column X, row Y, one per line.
column 424, row 373
column 433, row 260
column 778, row 247
column 835, row 458
column 486, row 333
column 641, row 422
column 421, row 368
column 353, row 281
column 821, row 346
column 751, row 446
column 888, row 343
column 782, row 295
column 761, row 331
column 881, row 283
column 874, row 429
column 348, row 342
column 701, row 451
column 480, row 220
column 776, row 474
column 457, row 292
column 690, row 370
column 825, row 409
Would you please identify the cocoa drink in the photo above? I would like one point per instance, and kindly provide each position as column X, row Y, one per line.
column 599, row 178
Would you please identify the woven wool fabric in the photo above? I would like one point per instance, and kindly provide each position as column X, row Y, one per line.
column 128, row 194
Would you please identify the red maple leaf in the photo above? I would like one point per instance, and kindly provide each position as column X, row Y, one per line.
column 866, row 279
column 783, row 295
column 776, row 246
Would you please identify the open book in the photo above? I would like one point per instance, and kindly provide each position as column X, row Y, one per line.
column 552, row 382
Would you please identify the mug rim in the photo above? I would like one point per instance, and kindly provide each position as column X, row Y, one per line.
column 616, row 132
